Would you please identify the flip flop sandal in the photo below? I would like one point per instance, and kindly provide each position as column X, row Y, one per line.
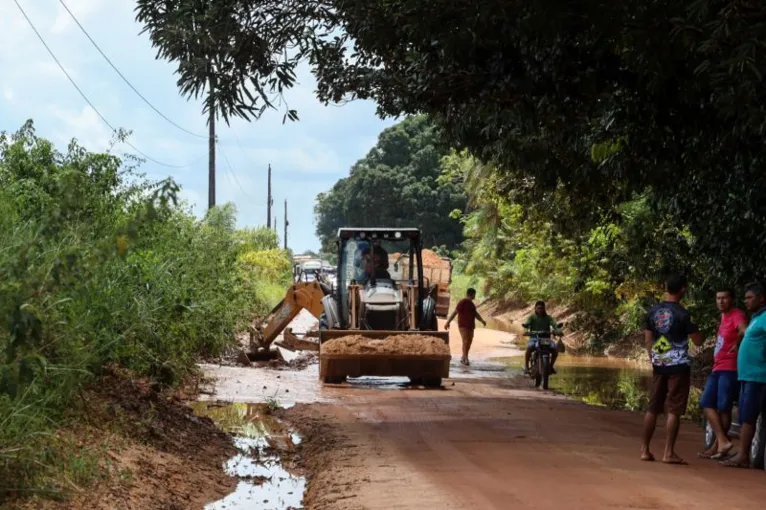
column 707, row 456
column 676, row 462
column 730, row 463
column 722, row 456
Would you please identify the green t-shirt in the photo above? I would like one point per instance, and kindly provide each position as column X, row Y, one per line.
column 751, row 359
column 541, row 323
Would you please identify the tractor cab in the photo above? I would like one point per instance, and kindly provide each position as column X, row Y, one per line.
column 375, row 289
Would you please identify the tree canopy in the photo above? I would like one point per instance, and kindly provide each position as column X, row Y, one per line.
column 396, row 185
column 607, row 99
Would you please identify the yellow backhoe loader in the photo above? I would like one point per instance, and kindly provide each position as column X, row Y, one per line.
column 374, row 298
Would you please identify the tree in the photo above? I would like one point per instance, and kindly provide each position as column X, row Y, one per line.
column 395, row 185
column 606, row 99
column 240, row 54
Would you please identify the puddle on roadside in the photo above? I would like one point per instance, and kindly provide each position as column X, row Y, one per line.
column 263, row 482
column 597, row 381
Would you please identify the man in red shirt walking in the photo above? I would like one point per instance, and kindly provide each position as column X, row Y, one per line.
column 466, row 321
column 722, row 387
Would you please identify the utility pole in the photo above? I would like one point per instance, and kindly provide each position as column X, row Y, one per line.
column 211, row 148
column 286, row 224
column 269, row 202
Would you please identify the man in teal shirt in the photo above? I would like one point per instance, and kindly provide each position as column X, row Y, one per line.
column 751, row 367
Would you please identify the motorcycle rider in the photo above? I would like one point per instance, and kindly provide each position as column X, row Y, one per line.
column 541, row 321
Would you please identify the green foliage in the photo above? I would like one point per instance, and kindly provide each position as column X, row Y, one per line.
column 99, row 266
column 267, row 264
column 611, row 100
column 243, row 53
column 610, row 268
column 396, row 185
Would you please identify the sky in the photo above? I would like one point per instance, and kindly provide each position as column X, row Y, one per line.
column 307, row 157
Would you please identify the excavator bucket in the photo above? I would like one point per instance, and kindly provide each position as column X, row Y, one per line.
column 410, row 354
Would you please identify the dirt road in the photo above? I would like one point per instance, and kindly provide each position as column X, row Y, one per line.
column 490, row 441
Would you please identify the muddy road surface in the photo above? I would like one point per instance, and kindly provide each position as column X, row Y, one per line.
column 487, row 439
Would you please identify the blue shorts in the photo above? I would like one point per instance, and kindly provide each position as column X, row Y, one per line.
column 751, row 401
column 532, row 343
column 721, row 390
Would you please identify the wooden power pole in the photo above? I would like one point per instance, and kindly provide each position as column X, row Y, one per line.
column 286, row 223
column 211, row 151
column 269, row 202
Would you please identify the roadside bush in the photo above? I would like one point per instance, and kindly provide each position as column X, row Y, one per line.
column 99, row 265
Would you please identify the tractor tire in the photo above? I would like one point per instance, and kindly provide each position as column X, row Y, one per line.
column 759, row 444
column 432, row 382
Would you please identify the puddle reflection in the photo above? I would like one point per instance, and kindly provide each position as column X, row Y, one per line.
column 264, row 482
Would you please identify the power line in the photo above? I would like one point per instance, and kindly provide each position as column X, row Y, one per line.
column 95, row 45
column 233, row 174
column 74, row 84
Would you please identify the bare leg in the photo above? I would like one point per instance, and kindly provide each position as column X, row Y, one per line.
column 742, row 458
column 554, row 357
column 671, row 434
column 724, row 444
column 527, row 355
column 725, row 421
column 650, row 423
column 467, row 341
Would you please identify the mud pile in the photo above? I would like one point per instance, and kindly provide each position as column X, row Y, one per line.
column 397, row 344
column 432, row 260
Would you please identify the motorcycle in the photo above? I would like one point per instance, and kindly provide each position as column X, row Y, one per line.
column 540, row 361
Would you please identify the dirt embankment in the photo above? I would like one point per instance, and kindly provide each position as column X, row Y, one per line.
column 510, row 315
column 149, row 450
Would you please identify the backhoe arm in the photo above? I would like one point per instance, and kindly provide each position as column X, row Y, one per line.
column 300, row 295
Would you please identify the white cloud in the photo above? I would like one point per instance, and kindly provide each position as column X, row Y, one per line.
column 85, row 125
column 306, row 156
column 82, row 9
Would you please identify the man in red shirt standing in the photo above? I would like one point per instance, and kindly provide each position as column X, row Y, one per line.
column 466, row 321
column 722, row 387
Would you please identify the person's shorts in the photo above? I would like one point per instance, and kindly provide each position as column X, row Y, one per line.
column 721, row 389
column 670, row 391
column 532, row 343
column 751, row 401
column 466, row 334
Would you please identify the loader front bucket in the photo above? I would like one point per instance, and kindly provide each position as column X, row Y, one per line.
column 395, row 356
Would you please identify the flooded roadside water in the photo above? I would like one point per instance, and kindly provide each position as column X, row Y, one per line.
column 607, row 382
column 264, row 483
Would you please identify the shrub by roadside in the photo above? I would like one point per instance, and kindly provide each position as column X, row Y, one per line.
column 99, row 265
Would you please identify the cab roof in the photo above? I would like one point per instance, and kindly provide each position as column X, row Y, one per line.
column 379, row 233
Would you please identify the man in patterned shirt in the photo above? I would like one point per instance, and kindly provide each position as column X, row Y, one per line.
column 667, row 330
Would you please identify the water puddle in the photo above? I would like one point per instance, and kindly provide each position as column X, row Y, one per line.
column 263, row 482
column 597, row 381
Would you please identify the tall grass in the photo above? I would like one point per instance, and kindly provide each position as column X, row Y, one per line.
column 97, row 266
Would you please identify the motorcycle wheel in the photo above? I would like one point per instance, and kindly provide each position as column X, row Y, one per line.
column 538, row 373
column 545, row 370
